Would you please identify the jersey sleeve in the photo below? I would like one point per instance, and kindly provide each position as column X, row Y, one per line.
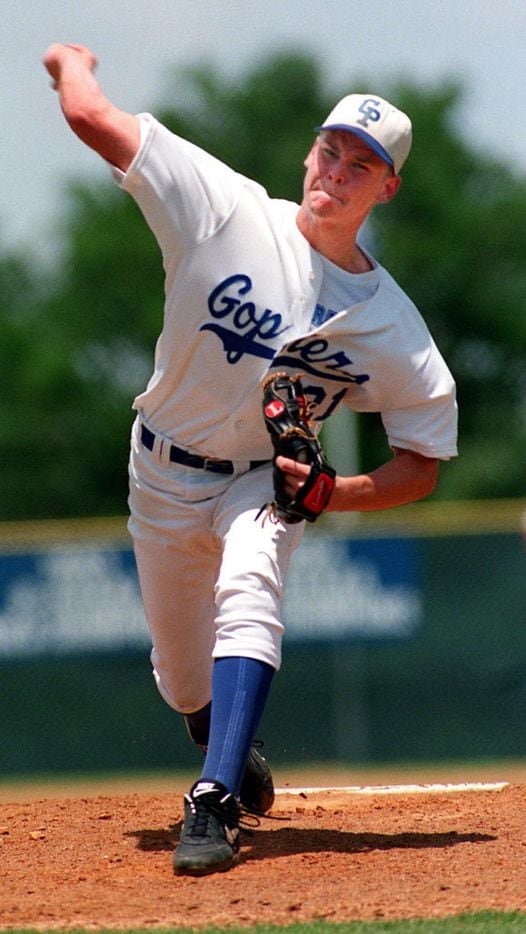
column 184, row 193
column 423, row 415
column 402, row 374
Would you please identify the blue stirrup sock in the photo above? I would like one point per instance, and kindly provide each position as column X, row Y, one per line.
column 240, row 689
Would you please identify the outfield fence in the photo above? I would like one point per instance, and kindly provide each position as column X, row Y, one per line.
column 406, row 641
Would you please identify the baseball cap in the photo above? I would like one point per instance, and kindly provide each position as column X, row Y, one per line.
column 383, row 127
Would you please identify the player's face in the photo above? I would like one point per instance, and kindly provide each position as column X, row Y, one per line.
column 345, row 179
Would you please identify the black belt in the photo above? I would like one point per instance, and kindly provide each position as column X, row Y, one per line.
column 178, row 456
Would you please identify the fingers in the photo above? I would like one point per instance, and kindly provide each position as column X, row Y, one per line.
column 90, row 59
column 295, row 474
column 56, row 53
column 287, row 465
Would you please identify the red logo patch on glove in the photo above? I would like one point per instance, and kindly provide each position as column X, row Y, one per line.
column 274, row 408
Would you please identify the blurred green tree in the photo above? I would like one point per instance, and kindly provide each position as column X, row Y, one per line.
column 78, row 345
column 454, row 238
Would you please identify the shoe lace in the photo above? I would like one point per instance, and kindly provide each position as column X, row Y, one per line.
column 251, row 820
column 202, row 812
column 206, row 808
column 248, row 820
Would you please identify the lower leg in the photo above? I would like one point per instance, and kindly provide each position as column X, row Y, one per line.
column 240, row 689
column 198, row 725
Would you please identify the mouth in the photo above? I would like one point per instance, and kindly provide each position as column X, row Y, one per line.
column 325, row 196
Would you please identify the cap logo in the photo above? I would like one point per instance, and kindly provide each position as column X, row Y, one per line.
column 369, row 111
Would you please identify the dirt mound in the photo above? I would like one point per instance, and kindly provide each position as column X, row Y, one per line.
column 105, row 861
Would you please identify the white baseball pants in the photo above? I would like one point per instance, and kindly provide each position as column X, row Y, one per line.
column 211, row 577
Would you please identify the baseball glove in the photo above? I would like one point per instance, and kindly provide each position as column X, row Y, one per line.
column 286, row 419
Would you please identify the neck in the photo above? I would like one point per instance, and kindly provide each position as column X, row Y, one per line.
column 342, row 251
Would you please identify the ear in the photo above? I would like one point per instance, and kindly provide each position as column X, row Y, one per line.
column 391, row 186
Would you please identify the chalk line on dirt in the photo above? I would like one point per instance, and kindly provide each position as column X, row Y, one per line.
column 396, row 789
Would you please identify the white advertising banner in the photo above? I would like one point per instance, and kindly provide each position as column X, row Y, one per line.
column 75, row 599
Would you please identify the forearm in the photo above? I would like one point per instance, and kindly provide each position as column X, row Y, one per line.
column 79, row 92
column 114, row 134
column 406, row 478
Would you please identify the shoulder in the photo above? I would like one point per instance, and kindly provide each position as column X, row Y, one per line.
column 393, row 292
column 159, row 142
column 394, row 308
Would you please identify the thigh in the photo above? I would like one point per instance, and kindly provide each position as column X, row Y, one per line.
column 256, row 553
column 178, row 558
column 177, row 580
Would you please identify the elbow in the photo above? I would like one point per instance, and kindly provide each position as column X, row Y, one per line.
column 87, row 120
column 82, row 121
column 421, row 473
column 429, row 478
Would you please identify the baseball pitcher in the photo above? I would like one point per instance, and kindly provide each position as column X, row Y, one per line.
column 275, row 315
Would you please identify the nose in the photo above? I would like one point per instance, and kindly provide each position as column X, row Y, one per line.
column 336, row 175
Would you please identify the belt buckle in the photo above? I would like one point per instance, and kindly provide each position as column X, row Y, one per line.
column 216, row 465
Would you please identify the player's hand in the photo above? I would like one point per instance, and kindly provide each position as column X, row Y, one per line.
column 57, row 54
column 295, row 474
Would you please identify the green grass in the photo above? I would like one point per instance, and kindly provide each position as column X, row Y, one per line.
column 486, row 922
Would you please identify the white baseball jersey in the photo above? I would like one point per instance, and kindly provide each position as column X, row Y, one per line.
column 245, row 294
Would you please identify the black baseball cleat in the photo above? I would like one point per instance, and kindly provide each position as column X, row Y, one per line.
column 209, row 840
column 257, row 787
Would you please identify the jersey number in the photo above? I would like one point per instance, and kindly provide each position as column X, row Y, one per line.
column 318, row 397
